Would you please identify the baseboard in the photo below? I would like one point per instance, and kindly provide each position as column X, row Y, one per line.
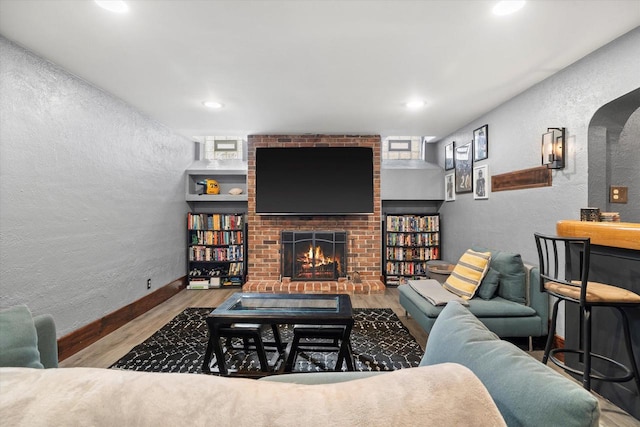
column 75, row 341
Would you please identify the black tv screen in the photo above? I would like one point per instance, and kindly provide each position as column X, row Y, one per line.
column 314, row 181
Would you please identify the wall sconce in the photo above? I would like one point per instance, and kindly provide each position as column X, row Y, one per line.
column 553, row 148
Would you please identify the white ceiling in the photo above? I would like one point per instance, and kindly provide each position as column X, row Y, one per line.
column 312, row 66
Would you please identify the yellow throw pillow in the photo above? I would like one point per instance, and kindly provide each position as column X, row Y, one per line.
column 468, row 273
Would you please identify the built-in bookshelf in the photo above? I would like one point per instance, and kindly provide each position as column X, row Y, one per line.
column 410, row 240
column 227, row 179
column 216, row 250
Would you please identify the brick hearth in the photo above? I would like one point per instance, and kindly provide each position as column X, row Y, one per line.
column 364, row 231
column 340, row 287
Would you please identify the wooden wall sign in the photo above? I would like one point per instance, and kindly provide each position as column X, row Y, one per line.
column 527, row 178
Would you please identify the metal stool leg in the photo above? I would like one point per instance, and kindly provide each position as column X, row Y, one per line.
column 552, row 332
column 629, row 344
column 586, row 376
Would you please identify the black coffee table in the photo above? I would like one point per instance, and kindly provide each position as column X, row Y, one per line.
column 279, row 309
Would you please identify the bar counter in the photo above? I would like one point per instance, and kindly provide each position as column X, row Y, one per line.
column 615, row 260
column 625, row 235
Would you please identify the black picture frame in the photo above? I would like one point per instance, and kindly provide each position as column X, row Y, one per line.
column 449, row 161
column 481, row 182
column 449, row 187
column 464, row 168
column 481, row 143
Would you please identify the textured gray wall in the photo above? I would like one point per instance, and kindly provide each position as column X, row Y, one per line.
column 91, row 191
column 567, row 99
column 570, row 98
column 411, row 180
column 625, row 169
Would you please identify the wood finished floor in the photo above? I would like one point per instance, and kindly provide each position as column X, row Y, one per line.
column 106, row 351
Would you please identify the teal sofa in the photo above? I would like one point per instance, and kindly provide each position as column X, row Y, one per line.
column 515, row 308
column 526, row 392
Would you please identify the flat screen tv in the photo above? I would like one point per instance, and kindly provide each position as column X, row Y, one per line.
column 314, row 181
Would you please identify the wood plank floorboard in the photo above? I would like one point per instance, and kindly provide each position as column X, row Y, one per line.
column 109, row 349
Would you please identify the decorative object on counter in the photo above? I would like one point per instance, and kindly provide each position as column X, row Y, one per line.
column 590, row 214
column 481, row 143
column 235, row 191
column 553, row 142
column 610, row 216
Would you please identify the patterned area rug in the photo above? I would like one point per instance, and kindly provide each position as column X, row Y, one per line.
column 379, row 339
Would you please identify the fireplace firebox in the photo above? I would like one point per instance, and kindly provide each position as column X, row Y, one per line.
column 313, row 255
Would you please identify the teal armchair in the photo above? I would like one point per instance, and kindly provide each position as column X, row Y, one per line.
column 26, row 340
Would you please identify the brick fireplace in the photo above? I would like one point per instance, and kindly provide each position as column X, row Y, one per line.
column 363, row 232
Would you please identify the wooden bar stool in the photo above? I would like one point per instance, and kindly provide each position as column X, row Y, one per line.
column 587, row 295
column 324, row 338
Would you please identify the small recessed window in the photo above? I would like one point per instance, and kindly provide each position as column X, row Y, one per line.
column 399, row 145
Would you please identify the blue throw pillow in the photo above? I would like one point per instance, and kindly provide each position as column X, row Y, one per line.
column 489, row 284
column 18, row 338
column 512, row 274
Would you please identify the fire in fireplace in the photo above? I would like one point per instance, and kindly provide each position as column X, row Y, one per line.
column 313, row 255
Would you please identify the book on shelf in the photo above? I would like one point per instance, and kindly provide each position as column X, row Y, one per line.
column 413, row 223
column 215, row 221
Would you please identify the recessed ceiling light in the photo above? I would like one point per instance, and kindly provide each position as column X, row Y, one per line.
column 414, row 105
column 117, row 6
column 213, row 105
column 507, row 7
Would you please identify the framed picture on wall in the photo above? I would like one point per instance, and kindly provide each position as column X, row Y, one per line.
column 481, row 182
column 449, row 187
column 464, row 163
column 449, row 162
column 481, row 143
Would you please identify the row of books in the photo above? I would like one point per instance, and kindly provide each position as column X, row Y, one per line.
column 413, row 239
column 207, row 253
column 406, row 268
column 413, row 223
column 236, row 269
column 412, row 254
column 215, row 221
column 199, row 237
